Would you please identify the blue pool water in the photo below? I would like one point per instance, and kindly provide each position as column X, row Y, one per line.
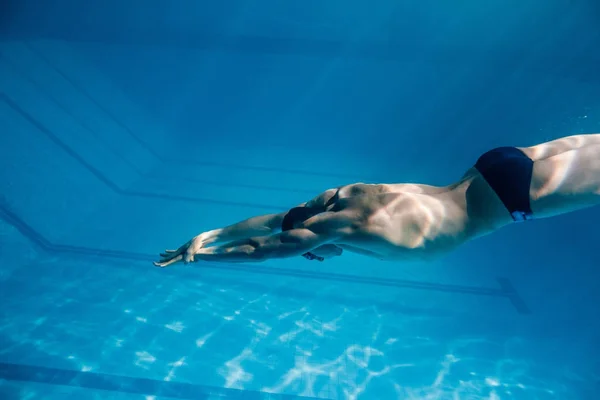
column 128, row 128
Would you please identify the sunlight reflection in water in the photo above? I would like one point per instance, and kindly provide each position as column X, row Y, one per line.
column 230, row 336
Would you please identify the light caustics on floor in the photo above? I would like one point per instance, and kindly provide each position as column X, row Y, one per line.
column 247, row 346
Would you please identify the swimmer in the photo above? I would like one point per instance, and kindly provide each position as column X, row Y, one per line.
column 414, row 221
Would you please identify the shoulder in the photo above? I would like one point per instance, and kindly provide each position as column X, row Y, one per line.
column 335, row 223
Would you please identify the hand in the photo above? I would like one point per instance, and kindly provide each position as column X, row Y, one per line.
column 327, row 251
column 184, row 253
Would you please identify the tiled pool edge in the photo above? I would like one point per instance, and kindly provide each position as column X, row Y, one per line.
column 123, row 384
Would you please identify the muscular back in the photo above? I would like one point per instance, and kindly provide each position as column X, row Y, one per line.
column 330, row 196
column 389, row 221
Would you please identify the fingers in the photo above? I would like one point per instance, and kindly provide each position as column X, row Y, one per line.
column 189, row 257
column 167, row 253
column 169, row 257
column 166, row 262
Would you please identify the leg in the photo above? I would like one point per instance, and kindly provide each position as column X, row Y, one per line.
column 555, row 147
column 567, row 181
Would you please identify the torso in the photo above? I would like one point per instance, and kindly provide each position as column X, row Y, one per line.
column 411, row 221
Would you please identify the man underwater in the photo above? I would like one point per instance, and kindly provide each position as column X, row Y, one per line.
column 415, row 221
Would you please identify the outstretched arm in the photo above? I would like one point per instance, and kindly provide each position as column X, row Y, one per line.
column 260, row 225
column 255, row 226
column 285, row 244
column 317, row 231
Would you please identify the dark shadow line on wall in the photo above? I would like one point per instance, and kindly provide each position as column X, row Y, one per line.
column 124, row 384
column 86, row 127
column 506, row 290
column 224, row 184
column 78, row 120
column 333, row 294
column 143, row 144
column 383, row 50
column 178, row 161
column 111, row 185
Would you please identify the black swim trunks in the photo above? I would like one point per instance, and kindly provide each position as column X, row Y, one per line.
column 508, row 171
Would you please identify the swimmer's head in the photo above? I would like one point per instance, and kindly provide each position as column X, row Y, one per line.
column 297, row 216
